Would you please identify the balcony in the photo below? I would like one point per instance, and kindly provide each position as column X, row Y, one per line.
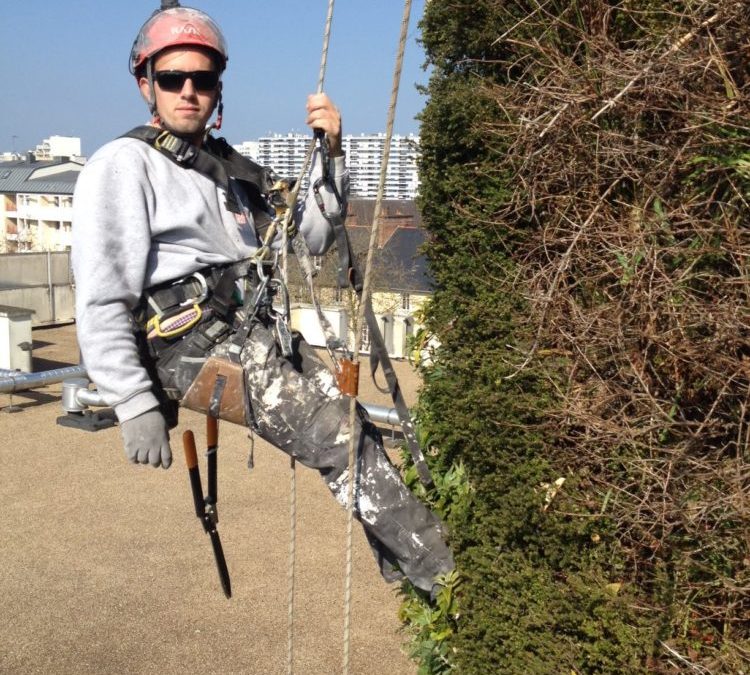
column 42, row 212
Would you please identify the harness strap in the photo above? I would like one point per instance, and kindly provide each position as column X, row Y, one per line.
column 349, row 274
column 189, row 290
column 216, row 284
column 217, row 161
column 222, row 298
column 379, row 355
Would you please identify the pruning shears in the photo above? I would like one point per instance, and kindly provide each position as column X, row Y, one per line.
column 205, row 507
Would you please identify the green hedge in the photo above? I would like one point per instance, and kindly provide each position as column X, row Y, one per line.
column 591, row 308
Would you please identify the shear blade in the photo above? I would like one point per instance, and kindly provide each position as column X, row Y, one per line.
column 221, row 563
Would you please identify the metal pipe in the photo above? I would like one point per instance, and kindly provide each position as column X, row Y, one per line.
column 18, row 381
column 84, row 397
column 382, row 414
column 78, row 396
column 51, row 288
column 90, row 397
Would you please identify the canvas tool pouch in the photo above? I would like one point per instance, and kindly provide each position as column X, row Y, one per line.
column 219, row 390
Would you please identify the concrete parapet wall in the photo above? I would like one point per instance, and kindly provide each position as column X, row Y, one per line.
column 47, row 311
column 41, row 282
column 31, row 269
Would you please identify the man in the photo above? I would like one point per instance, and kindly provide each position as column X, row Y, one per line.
column 165, row 220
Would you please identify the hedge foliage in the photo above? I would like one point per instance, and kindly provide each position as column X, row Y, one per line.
column 585, row 182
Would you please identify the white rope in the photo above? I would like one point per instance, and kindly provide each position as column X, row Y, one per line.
column 326, row 40
column 292, row 465
column 311, row 147
column 360, row 322
column 290, row 570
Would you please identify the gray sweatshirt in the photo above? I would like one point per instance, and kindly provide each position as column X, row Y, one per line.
column 140, row 220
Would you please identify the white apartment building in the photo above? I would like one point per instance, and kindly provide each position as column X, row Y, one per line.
column 248, row 149
column 365, row 155
column 36, row 205
column 286, row 154
column 58, row 146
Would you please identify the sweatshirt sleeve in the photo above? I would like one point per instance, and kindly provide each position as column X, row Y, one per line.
column 111, row 243
column 310, row 221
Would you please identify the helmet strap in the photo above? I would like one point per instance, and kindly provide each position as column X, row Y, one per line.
column 151, row 91
column 219, row 114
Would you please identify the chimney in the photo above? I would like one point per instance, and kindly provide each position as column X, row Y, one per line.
column 388, row 225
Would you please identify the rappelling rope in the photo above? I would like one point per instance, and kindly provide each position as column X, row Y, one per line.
column 292, row 462
column 290, row 572
column 313, row 142
column 365, row 298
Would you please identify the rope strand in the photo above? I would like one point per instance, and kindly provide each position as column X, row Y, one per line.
column 292, row 467
column 290, row 571
column 326, row 40
column 365, row 298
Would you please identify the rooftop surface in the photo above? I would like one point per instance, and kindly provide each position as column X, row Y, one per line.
column 45, row 177
column 106, row 569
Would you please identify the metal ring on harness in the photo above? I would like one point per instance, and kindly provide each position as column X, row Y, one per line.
column 198, row 299
column 183, row 151
column 159, row 305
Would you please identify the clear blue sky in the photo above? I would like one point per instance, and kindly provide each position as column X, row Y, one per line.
column 65, row 66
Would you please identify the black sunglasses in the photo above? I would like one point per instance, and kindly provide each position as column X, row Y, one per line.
column 174, row 80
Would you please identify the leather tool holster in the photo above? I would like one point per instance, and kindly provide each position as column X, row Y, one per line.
column 219, row 390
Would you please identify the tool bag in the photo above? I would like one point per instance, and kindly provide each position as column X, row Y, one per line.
column 219, row 390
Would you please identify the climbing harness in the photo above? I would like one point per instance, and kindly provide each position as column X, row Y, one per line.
column 175, row 325
column 181, row 322
column 206, row 507
column 219, row 381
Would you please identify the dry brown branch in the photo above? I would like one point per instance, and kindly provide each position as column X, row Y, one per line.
column 636, row 266
column 561, row 267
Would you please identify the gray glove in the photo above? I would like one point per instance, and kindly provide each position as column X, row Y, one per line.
column 147, row 440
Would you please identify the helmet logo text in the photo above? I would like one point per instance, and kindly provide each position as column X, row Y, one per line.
column 187, row 29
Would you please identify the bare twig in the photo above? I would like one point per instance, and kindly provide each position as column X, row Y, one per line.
column 647, row 68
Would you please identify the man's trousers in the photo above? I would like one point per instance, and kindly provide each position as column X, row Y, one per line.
column 298, row 408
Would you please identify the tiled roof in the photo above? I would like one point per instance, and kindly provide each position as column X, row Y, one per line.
column 404, row 245
column 361, row 211
column 398, row 264
column 17, row 177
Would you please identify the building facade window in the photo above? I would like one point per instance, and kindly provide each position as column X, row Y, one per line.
column 364, row 343
column 408, row 334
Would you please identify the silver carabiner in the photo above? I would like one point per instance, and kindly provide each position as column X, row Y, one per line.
column 262, row 276
column 198, row 299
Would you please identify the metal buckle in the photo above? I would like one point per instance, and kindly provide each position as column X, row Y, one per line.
column 198, row 299
column 183, row 151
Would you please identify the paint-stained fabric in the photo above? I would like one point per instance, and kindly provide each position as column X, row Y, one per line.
column 298, row 408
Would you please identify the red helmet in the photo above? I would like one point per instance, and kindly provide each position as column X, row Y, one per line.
column 173, row 27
